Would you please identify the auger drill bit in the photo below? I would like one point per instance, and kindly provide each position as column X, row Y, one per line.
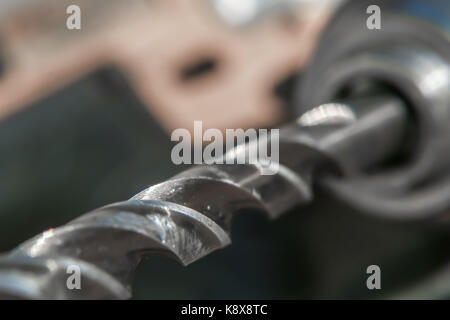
column 189, row 215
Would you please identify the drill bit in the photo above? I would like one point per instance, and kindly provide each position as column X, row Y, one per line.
column 189, row 215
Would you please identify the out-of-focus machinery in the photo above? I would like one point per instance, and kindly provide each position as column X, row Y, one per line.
column 187, row 61
column 127, row 74
column 371, row 131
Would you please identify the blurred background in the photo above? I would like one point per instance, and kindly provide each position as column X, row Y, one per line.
column 86, row 116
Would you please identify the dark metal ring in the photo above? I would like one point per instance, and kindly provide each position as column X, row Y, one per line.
column 424, row 79
column 410, row 54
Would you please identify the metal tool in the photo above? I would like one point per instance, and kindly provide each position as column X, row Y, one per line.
column 189, row 215
column 387, row 106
